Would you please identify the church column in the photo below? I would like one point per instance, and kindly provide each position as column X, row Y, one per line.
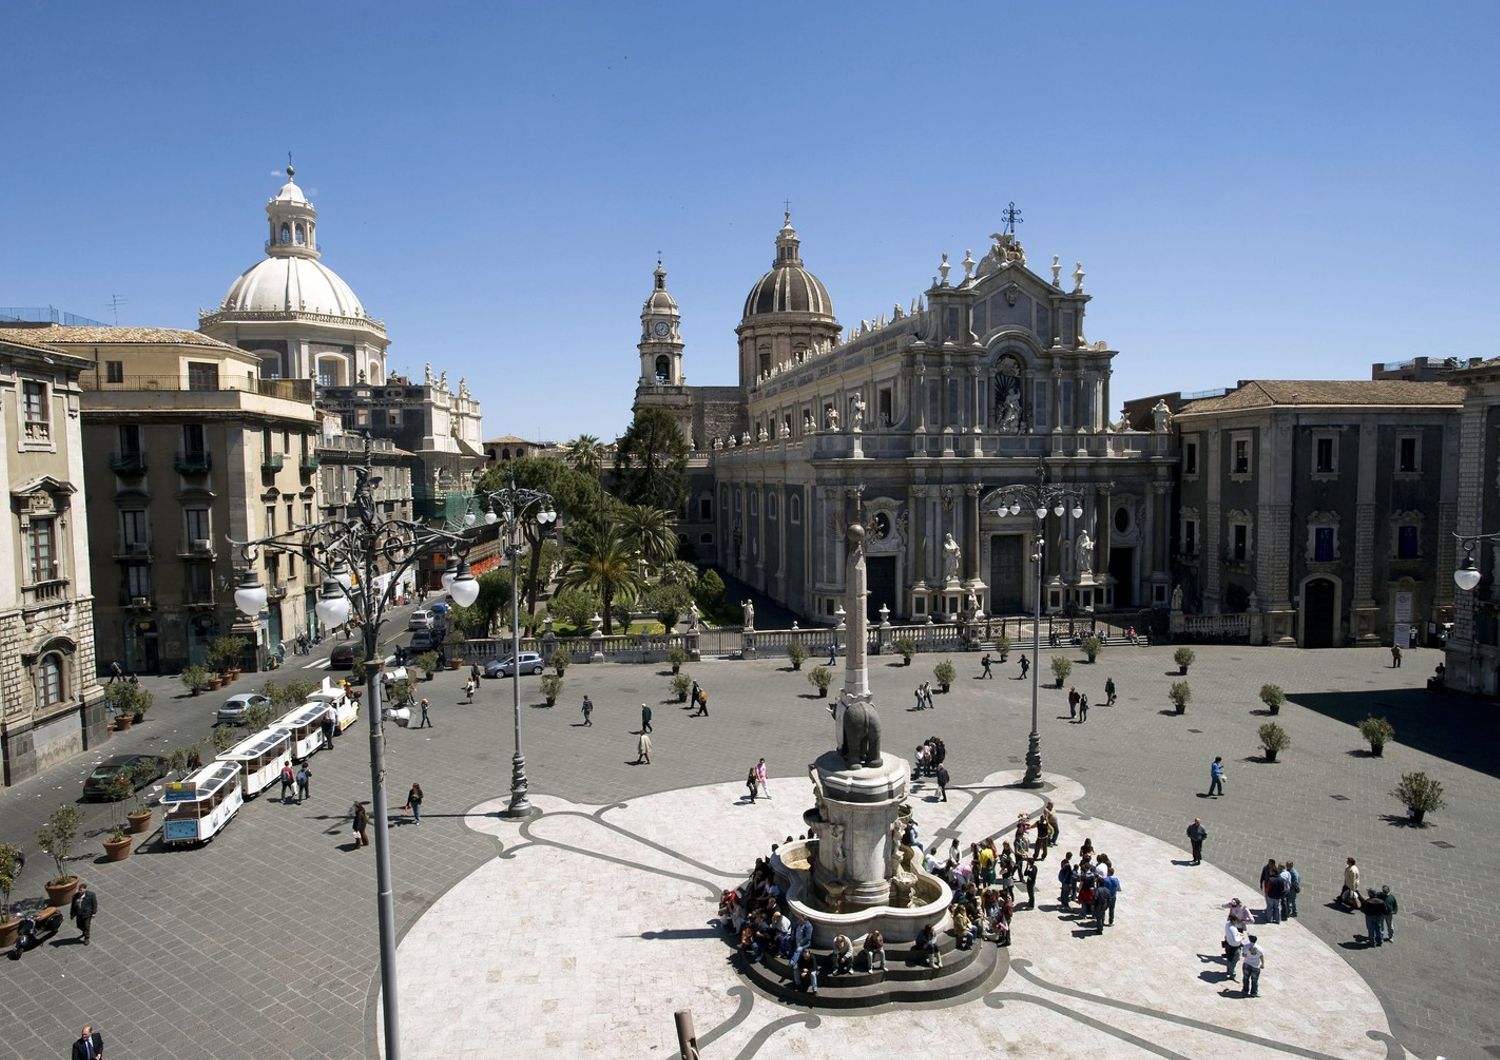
column 1105, row 508
column 1083, row 400
column 919, row 397
column 1057, row 418
column 1162, row 492
column 916, row 564
column 971, row 537
column 1104, row 395
column 945, row 406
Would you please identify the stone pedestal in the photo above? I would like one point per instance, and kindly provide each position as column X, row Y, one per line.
column 856, row 848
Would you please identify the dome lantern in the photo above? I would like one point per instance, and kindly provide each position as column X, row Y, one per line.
column 294, row 222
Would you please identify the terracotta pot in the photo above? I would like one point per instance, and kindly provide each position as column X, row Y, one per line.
column 214, row 684
column 117, row 850
column 8, row 931
column 123, row 722
column 60, row 894
column 140, row 821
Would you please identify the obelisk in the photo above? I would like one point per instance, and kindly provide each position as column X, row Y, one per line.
column 856, row 668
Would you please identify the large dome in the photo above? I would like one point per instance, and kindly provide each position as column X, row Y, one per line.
column 292, row 285
column 788, row 287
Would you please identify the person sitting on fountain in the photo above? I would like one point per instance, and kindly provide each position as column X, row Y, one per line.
column 786, row 942
column 749, row 944
column 910, row 837
column 874, row 950
column 801, row 938
column 927, row 942
column 806, row 971
column 963, row 927
column 843, row 955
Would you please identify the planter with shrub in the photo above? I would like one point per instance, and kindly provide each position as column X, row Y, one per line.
column 682, row 684
column 944, row 673
column 56, row 838
column 10, row 868
column 195, row 677
column 551, row 686
column 1183, row 657
column 1092, row 646
column 796, row 652
column 1273, row 697
column 821, row 677
column 1179, row 694
column 676, row 656
column 1061, row 668
column 1420, row 794
column 1273, row 739
column 906, row 648
column 1378, row 732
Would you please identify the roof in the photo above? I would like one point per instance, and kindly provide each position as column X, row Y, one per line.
column 18, row 344
column 67, row 335
column 1276, row 393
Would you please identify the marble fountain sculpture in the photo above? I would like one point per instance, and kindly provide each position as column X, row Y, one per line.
column 854, row 874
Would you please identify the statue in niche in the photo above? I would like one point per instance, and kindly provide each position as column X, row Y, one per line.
column 831, row 418
column 1177, row 598
column 1008, row 400
column 857, row 412
column 952, row 557
column 807, row 422
column 1085, row 554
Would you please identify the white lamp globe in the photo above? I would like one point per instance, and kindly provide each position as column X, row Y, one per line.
column 1077, row 511
column 342, row 574
column 1015, row 507
column 1058, row 510
column 250, row 597
column 490, row 518
column 1041, row 513
column 450, row 572
column 332, row 609
column 1467, row 576
column 465, row 588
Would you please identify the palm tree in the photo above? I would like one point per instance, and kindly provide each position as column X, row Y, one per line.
column 649, row 531
column 586, row 455
column 599, row 557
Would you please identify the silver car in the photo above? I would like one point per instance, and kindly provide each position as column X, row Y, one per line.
column 234, row 708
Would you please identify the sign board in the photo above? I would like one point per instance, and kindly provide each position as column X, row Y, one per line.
column 1403, row 603
column 178, row 830
column 180, row 792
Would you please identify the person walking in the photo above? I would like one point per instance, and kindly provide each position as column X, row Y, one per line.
column 1025, row 666
column 1216, row 777
column 985, row 662
column 752, row 783
column 1072, row 703
column 643, row 749
column 1349, row 896
column 304, row 783
column 116, row 672
column 469, row 691
column 942, row 779
column 1083, row 707
column 645, row 719
column 921, row 703
column 1234, row 941
column 760, row 777
column 1109, row 691
column 833, row 653
column 414, row 803
column 330, row 719
column 1396, row 656
column 288, row 780
column 1196, row 834
column 1389, row 915
column 1112, row 886
column 700, row 705
column 83, row 910
column 927, row 694
column 361, row 821
column 588, row 710
column 1275, row 887
column 90, row 1044
column 474, row 673
column 1255, row 961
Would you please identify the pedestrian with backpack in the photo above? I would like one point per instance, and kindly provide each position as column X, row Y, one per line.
column 288, row 780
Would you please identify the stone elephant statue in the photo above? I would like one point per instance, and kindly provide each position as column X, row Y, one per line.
column 861, row 735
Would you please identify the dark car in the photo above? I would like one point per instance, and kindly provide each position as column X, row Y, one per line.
column 341, row 658
column 97, row 785
column 425, row 640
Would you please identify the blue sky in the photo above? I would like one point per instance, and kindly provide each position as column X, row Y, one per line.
column 1269, row 189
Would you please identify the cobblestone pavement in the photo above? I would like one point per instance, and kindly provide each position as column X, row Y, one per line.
column 262, row 944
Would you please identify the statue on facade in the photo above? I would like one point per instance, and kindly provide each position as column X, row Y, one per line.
column 1085, row 554
column 807, row 422
column 427, row 373
column 1010, row 413
column 831, row 418
column 1161, row 417
column 761, row 436
column 952, row 557
column 1177, row 598
column 857, row 412
column 748, row 610
column 443, row 381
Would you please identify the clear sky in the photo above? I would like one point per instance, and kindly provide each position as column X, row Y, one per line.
column 1265, row 189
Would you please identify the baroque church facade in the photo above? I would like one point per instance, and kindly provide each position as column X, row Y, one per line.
column 914, row 422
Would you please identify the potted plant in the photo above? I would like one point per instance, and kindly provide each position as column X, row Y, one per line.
column 427, row 663
column 551, row 686
column 215, row 682
column 140, row 817
column 225, row 654
column 560, row 660
column 796, row 652
column 1183, row 657
column 1273, row 738
column 1179, row 694
column 1092, row 646
column 1002, row 647
column 681, row 685
column 1061, row 668
column 56, row 838
column 1420, row 794
column 10, row 868
column 140, row 702
column 121, row 695
column 195, row 677
column 821, row 677
column 455, row 641
column 944, row 673
column 117, row 846
column 1273, row 697
column 1378, row 732
column 676, row 656
column 906, row 648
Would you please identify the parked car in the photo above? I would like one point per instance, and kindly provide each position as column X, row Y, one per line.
column 97, row 785
column 424, row 640
column 234, row 708
column 342, row 657
column 531, row 663
column 420, row 619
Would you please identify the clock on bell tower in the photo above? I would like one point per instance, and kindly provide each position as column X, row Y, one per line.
column 661, row 339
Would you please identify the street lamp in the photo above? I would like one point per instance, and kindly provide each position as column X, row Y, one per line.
column 516, row 504
column 337, row 549
column 1038, row 497
column 1467, row 576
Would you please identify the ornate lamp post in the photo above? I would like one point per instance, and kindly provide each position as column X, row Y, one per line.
column 1467, row 576
column 516, row 506
column 1040, row 498
column 336, row 550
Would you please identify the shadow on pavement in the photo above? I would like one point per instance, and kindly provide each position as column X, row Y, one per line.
column 1461, row 730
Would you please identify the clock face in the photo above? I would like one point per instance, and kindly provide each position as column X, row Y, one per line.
column 662, row 327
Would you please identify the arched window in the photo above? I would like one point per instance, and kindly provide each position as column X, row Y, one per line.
column 50, row 691
column 794, row 508
column 286, row 232
column 663, row 369
column 299, row 236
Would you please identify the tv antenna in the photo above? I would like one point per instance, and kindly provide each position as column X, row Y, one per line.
column 115, row 302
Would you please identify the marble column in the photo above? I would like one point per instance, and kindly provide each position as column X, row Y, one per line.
column 971, row 532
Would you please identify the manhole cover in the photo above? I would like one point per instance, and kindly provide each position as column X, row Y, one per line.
column 1198, row 731
column 1431, row 918
column 1015, row 758
column 1442, row 844
column 1341, row 798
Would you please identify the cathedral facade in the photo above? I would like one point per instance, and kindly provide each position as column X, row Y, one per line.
column 914, row 422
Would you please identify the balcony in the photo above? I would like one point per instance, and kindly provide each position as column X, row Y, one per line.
column 193, row 462
column 200, row 600
column 276, row 590
column 128, row 463
column 272, row 463
column 310, row 463
column 44, row 593
column 132, row 551
column 132, row 602
column 299, row 390
column 196, row 548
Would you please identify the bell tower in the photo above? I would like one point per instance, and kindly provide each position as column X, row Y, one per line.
column 661, row 336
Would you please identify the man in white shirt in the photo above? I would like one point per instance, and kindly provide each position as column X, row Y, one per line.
column 1234, row 938
column 1255, row 960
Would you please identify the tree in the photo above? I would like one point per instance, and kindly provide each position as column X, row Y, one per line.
column 586, row 455
column 679, row 572
column 650, row 531
column 651, row 461
column 494, row 597
column 285, row 695
column 600, row 559
column 576, row 607
column 709, row 591
column 57, row 837
column 669, row 602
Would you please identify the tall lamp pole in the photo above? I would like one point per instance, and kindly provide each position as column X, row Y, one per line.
column 1038, row 497
column 516, row 506
column 335, row 549
column 1467, row 577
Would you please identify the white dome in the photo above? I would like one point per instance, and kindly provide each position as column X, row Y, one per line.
column 292, row 284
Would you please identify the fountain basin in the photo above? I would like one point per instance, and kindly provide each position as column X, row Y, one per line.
column 931, row 899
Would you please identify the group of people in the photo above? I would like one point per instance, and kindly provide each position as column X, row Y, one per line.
column 923, row 696
column 756, row 782
column 1379, row 907
column 1091, row 882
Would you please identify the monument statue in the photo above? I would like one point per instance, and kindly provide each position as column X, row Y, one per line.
column 1085, row 553
column 1177, row 598
column 861, row 746
column 1010, row 415
column 952, row 556
column 857, row 415
column 831, row 419
column 748, row 609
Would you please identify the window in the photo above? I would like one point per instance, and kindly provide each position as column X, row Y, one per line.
column 196, row 520
column 130, row 439
column 307, row 513
column 41, row 550
column 705, row 508
column 754, row 506
column 114, row 371
column 771, row 506
column 886, row 410
column 1408, row 455
column 1323, row 455
column 1240, row 537
column 203, row 375
column 200, row 583
column 1407, row 543
column 705, row 539
column 192, row 440
column 50, row 680
column 1190, row 537
column 794, row 509
column 1190, row 458
column 133, row 531
column 1323, row 544
column 36, row 422
column 270, row 519
column 1240, row 464
column 138, row 581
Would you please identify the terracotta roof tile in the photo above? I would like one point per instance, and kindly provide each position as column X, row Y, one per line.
column 64, row 335
column 1271, row 393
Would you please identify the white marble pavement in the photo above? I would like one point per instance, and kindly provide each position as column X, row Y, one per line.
column 587, row 947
